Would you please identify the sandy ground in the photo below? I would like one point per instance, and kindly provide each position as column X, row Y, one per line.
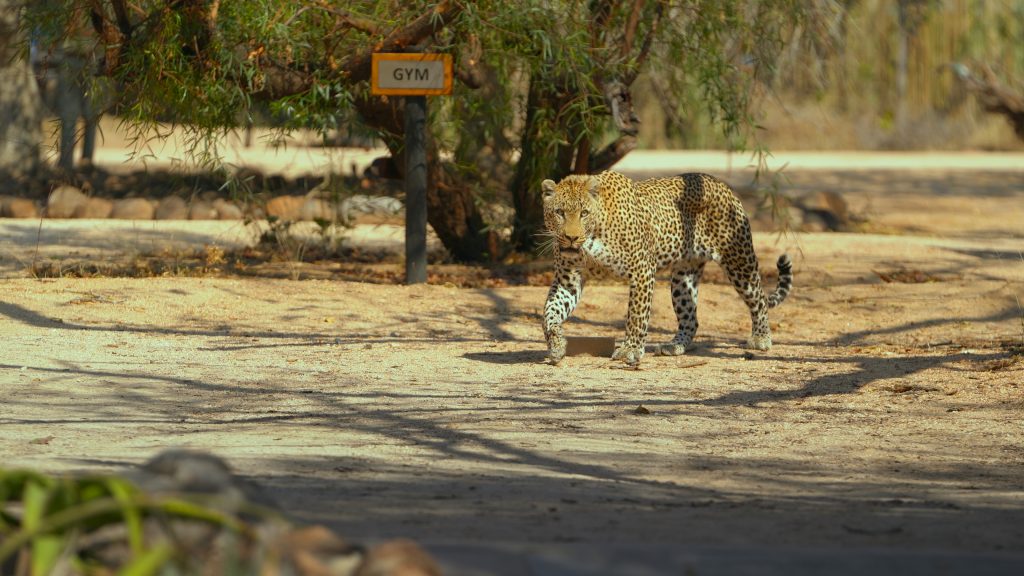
column 887, row 415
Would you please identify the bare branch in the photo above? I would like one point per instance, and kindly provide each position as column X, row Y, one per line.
column 470, row 71
column 645, row 48
column 612, row 153
column 121, row 14
column 993, row 95
column 108, row 33
column 600, row 15
column 620, row 101
column 365, row 25
column 631, row 24
column 358, row 67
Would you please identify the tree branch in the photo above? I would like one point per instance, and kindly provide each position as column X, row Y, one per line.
column 280, row 80
column 200, row 17
column 121, row 14
column 469, row 71
column 631, row 24
column 364, row 25
column 108, row 33
column 620, row 101
column 645, row 48
column 600, row 14
column 357, row 68
column 612, row 153
column 993, row 96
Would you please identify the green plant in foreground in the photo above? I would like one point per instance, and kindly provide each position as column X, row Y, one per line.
column 46, row 522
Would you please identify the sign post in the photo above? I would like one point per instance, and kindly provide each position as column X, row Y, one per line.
column 414, row 76
column 415, row 189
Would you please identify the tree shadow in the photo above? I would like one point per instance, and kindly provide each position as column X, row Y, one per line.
column 1009, row 312
column 462, row 484
column 29, row 317
column 508, row 357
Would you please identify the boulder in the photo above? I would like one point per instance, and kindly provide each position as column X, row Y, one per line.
column 94, row 208
column 227, row 210
column 286, row 207
column 385, row 207
column 314, row 208
column 202, row 210
column 171, row 208
column 64, row 201
column 825, row 209
column 11, row 207
column 133, row 209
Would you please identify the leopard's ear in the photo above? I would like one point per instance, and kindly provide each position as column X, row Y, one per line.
column 548, row 186
column 594, row 187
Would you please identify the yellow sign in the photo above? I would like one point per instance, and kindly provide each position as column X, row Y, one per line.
column 411, row 74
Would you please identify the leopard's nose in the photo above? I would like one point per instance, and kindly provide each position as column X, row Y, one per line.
column 571, row 239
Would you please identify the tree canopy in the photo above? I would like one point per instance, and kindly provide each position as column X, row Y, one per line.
column 543, row 86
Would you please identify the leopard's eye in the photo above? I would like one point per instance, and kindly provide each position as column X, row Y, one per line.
column 559, row 212
column 584, row 213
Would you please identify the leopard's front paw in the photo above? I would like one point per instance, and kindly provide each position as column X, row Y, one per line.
column 760, row 342
column 556, row 348
column 670, row 349
column 629, row 354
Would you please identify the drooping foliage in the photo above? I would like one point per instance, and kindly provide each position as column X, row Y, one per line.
column 544, row 88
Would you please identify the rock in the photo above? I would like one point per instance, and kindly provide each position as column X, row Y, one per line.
column 185, row 471
column 94, row 208
column 227, row 210
column 316, row 209
column 254, row 212
column 815, row 221
column 283, row 547
column 202, row 210
column 64, row 201
column 133, row 209
column 171, row 208
column 316, row 551
column 398, row 558
column 286, row 207
column 384, row 206
column 332, row 208
column 825, row 207
column 11, row 207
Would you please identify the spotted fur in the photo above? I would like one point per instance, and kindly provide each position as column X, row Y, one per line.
column 636, row 228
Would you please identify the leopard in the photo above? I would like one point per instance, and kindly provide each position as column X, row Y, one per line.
column 635, row 229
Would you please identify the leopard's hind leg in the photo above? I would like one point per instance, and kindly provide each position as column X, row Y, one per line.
column 741, row 268
column 685, row 284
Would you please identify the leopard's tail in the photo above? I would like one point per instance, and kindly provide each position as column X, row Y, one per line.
column 785, row 266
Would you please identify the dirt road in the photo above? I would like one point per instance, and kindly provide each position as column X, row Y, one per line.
column 886, row 417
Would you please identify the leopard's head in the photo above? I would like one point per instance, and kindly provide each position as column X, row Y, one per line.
column 572, row 210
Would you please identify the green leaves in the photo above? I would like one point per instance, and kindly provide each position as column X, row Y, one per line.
column 49, row 517
column 149, row 562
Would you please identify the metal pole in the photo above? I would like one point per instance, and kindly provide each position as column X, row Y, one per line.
column 415, row 189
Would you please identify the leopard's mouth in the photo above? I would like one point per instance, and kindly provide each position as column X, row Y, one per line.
column 570, row 246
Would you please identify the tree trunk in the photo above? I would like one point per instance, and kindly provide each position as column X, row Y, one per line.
column 453, row 213
column 21, row 133
column 537, row 162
